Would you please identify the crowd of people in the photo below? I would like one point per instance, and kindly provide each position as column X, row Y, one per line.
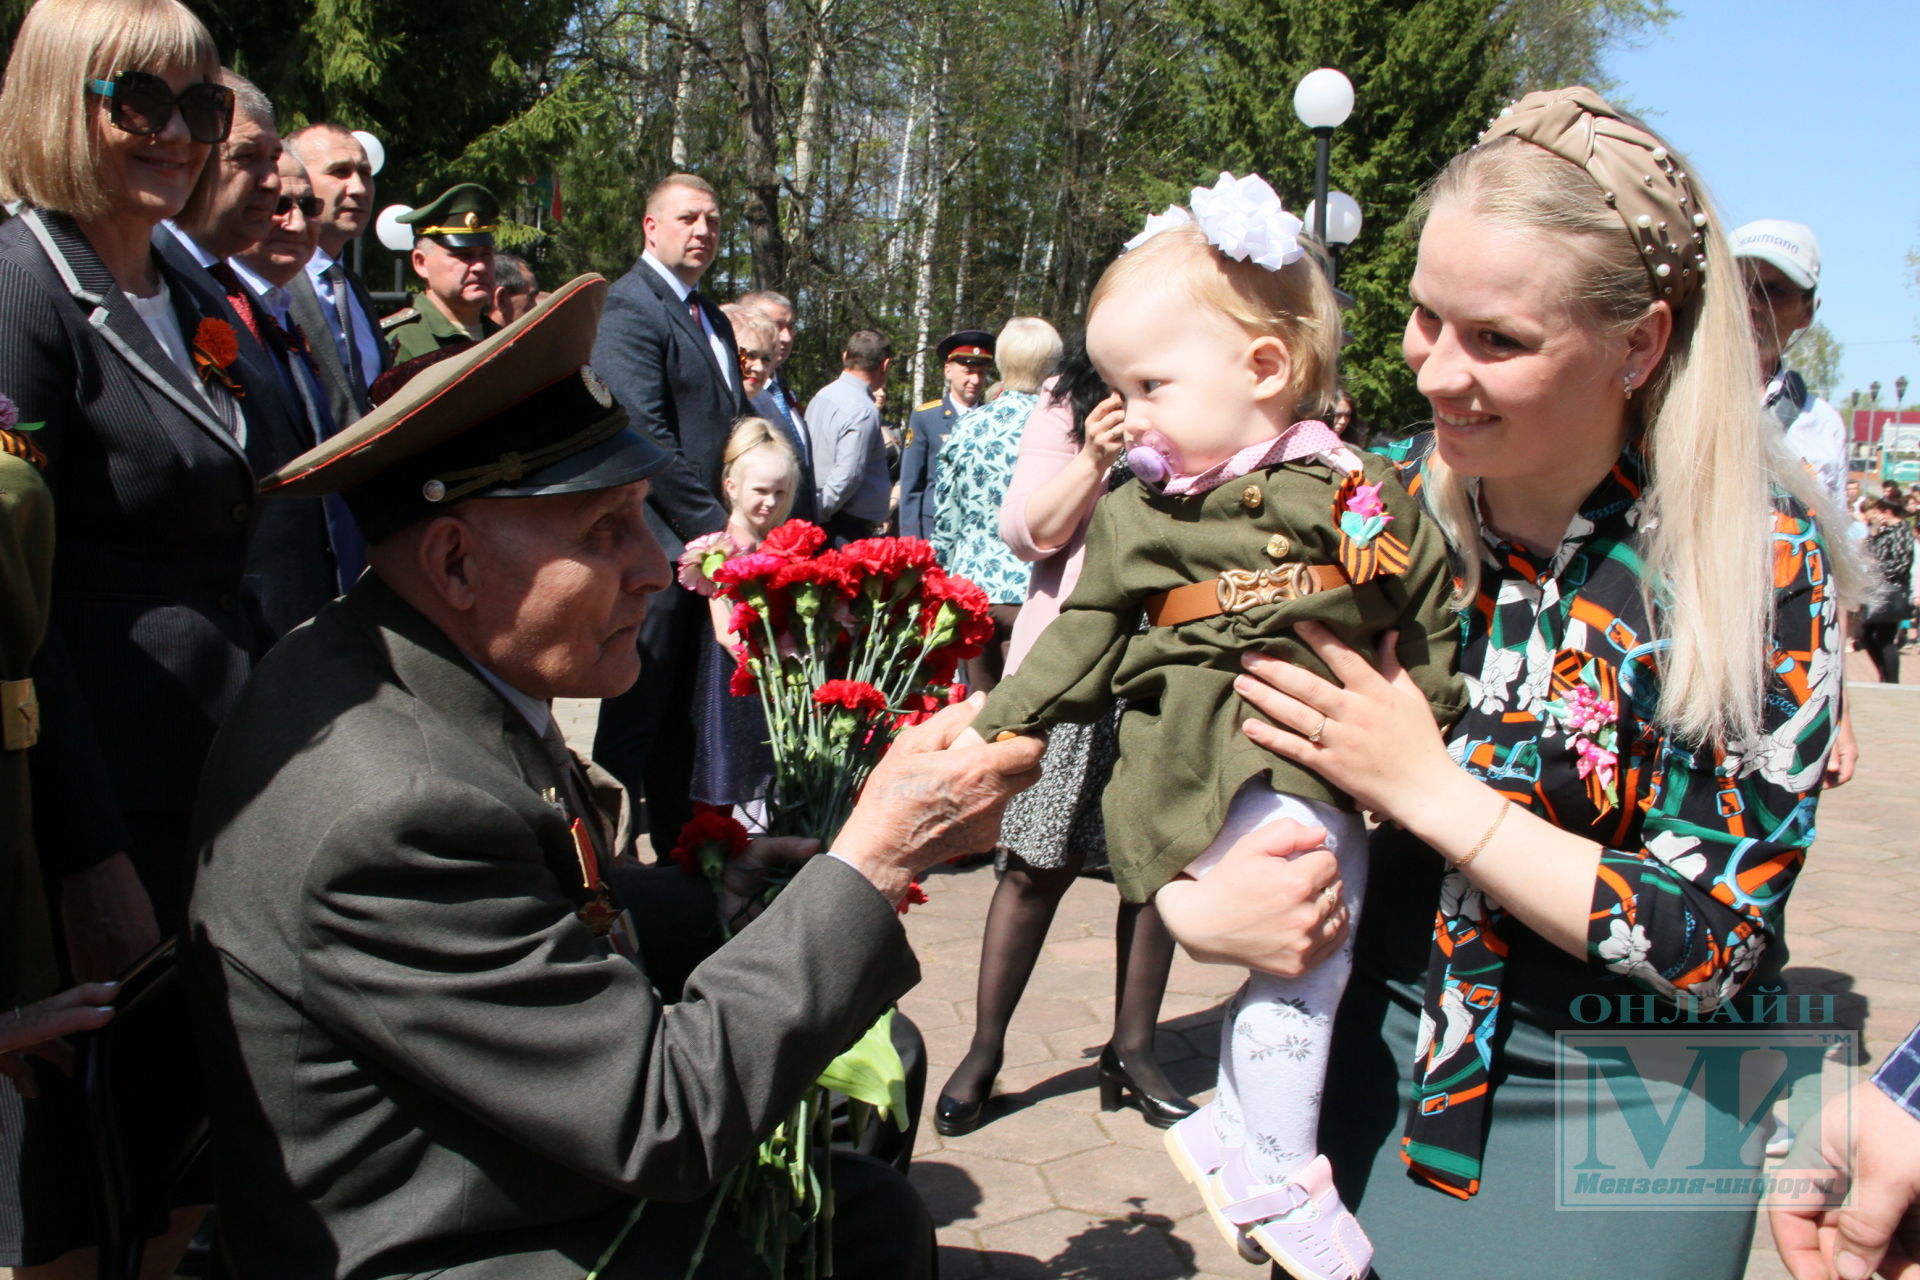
column 290, row 587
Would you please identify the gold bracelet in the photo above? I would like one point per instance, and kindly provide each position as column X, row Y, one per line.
column 1461, row 864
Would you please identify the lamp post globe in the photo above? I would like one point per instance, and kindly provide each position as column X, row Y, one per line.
column 1343, row 218
column 1323, row 99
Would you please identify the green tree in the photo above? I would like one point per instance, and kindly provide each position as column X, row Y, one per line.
column 1427, row 76
column 1816, row 355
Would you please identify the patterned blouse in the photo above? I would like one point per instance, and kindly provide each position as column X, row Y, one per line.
column 974, row 468
column 1701, row 844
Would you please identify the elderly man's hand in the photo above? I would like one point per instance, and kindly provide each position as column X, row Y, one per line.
column 932, row 798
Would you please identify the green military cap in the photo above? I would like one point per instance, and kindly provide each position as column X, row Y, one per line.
column 463, row 217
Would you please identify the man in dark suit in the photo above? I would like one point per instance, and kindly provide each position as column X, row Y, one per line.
column 291, row 568
column 430, row 999
column 669, row 355
column 332, row 304
column 965, row 358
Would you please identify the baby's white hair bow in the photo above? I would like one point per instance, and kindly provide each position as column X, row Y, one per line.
column 1241, row 217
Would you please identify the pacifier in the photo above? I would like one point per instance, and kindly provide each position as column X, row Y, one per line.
column 1151, row 459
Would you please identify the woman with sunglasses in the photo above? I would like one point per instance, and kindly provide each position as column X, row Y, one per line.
column 119, row 368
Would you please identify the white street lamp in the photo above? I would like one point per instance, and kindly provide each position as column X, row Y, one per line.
column 1343, row 218
column 1323, row 100
column 396, row 235
column 376, row 152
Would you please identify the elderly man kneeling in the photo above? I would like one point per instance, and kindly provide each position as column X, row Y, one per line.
column 445, row 1030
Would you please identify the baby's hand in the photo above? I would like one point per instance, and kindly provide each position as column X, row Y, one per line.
column 1105, row 439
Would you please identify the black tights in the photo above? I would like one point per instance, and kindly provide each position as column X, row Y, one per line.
column 1023, row 906
column 1881, row 640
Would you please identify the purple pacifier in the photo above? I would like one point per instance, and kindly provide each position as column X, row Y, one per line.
column 1151, row 459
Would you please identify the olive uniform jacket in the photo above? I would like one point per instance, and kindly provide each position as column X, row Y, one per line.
column 26, row 579
column 422, row 329
column 1183, row 755
column 419, row 1059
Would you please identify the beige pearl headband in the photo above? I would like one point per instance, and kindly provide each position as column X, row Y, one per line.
column 1650, row 193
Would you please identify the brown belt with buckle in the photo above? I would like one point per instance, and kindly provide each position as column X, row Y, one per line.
column 1238, row 590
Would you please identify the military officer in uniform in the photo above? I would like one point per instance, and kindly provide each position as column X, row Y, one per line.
column 432, row 1003
column 966, row 357
column 453, row 255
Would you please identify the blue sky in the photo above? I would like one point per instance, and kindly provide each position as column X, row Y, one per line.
column 1808, row 111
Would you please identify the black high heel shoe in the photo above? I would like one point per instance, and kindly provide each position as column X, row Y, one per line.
column 955, row 1118
column 1118, row 1088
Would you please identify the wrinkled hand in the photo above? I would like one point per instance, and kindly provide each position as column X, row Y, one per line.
column 1377, row 738
column 35, row 1031
column 1105, row 440
column 932, row 799
column 108, row 919
column 1273, row 903
column 1845, row 756
column 1866, row 1136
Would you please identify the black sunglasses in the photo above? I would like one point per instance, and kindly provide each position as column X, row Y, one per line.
column 310, row 206
column 140, row 102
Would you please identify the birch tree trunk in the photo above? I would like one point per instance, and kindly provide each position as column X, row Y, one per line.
column 754, row 88
column 683, row 90
column 813, row 122
column 921, row 309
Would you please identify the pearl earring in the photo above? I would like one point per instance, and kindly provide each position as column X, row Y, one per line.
column 1626, row 384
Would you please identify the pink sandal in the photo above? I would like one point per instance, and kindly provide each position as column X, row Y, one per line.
column 1300, row 1223
column 1198, row 1154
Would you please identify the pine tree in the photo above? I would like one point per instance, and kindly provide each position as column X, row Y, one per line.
column 1427, row 76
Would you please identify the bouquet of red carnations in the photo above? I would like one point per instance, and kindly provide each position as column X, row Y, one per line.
column 843, row 648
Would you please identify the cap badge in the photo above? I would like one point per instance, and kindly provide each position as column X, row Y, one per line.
column 596, row 387
column 433, row 491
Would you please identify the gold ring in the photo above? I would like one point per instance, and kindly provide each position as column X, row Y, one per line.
column 1319, row 729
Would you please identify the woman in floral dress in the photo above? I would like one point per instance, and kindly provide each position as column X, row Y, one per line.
column 1605, row 841
column 973, row 471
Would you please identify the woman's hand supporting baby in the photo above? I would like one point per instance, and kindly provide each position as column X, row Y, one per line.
column 1272, row 903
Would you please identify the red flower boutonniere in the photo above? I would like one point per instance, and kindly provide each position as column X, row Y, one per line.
column 215, row 348
column 11, row 439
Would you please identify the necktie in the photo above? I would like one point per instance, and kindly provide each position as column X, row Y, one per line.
column 238, row 296
column 693, row 309
column 343, row 307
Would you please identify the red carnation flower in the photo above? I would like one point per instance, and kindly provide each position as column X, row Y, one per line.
column 915, row 895
column 794, row 540
column 748, row 568
column 215, row 337
column 742, row 684
column 710, row 838
column 854, row 695
column 745, row 617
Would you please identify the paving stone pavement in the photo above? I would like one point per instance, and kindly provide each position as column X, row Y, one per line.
column 1055, row 1188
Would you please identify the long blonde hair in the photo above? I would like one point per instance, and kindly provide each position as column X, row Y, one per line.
column 1712, row 464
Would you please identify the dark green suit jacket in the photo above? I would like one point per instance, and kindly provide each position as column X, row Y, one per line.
column 1183, row 755
column 420, row 1060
